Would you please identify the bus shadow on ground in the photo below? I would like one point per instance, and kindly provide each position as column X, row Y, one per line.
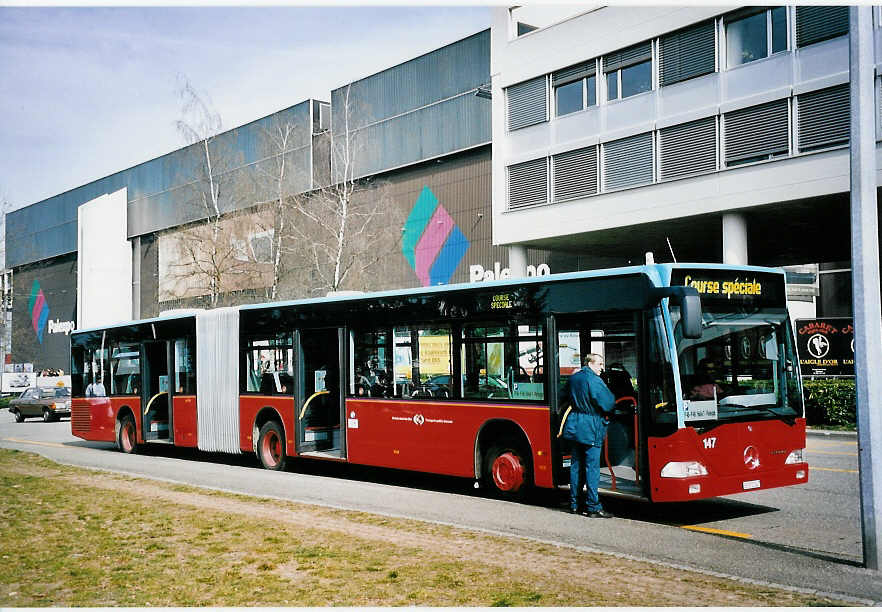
column 707, row 511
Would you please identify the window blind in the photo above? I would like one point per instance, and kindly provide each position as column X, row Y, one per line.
column 688, row 148
column 627, row 57
column 575, row 174
column 627, row 162
column 756, row 131
column 573, row 73
column 817, row 23
column 687, row 53
column 823, row 117
column 528, row 183
column 527, row 103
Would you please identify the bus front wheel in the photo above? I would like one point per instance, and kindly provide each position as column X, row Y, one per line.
column 127, row 435
column 271, row 446
column 507, row 471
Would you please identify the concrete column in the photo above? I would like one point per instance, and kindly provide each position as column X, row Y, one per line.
column 517, row 260
column 865, row 280
column 136, row 277
column 734, row 239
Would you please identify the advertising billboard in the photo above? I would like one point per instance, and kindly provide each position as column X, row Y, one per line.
column 825, row 346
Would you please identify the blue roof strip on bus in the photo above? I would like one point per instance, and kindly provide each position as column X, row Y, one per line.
column 658, row 274
column 168, row 317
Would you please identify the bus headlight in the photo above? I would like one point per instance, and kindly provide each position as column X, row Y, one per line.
column 795, row 456
column 683, row 469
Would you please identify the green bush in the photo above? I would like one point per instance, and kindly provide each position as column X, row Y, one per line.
column 830, row 402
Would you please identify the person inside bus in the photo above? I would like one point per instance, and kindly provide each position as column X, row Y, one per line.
column 705, row 388
column 591, row 404
column 96, row 389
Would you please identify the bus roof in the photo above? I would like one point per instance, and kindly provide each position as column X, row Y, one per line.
column 658, row 274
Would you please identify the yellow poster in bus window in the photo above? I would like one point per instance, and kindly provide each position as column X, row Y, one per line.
column 434, row 355
column 495, row 359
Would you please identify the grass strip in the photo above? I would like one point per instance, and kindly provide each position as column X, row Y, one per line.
column 75, row 537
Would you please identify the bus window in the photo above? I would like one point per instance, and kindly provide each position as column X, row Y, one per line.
column 185, row 370
column 371, row 370
column 659, row 377
column 96, row 368
column 125, row 369
column 613, row 336
column 77, row 363
column 269, row 368
column 423, row 362
column 503, row 361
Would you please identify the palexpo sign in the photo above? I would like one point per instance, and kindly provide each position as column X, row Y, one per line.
column 477, row 272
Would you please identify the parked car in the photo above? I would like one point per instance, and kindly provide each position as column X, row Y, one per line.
column 50, row 403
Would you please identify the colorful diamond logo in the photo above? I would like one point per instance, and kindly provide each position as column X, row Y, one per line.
column 39, row 310
column 432, row 242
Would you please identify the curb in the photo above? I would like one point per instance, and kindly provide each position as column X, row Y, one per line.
column 826, row 433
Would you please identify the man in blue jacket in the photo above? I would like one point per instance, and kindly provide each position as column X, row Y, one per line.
column 585, row 427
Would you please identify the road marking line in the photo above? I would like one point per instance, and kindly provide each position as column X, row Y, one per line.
column 833, row 470
column 52, row 444
column 808, row 450
column 733, row 534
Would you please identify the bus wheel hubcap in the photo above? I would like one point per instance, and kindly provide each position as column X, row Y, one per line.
column 272, row 448
column 508, row 472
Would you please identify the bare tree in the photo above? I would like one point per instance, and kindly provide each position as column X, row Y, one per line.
column 280, row 172
column 348, row 225
column 210, row 257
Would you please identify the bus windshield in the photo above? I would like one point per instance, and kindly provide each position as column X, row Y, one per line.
column 743, row 367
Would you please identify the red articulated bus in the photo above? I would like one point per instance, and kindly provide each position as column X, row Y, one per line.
column 466, row 380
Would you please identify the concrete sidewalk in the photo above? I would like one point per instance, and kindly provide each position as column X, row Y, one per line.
column 821, row 433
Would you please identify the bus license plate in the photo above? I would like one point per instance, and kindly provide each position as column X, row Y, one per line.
column 750, row 484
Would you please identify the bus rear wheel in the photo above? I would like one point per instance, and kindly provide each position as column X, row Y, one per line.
column 127, row 435
column 507, row 472
column 271, row 446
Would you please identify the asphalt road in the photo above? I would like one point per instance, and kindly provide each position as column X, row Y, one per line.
column 805, row 537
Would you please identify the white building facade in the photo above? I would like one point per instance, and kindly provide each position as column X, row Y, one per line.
column 701, row 133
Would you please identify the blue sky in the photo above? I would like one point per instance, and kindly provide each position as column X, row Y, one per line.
column 85, row 92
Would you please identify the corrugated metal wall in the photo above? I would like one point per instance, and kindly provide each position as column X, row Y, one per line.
column 161, row 191
column 418, row 110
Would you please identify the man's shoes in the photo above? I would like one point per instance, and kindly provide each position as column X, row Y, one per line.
column 600, row 514
column 576, row 511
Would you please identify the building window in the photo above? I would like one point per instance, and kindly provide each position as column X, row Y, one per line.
column 756, row 35
column 823, row 117
column 528, row 183
column 628, row 72
column 575, row 174
column 628, row 162
column 818, row 23
column 527, row 103
column 687, row 53
column 688, row 148
column 757, row 133
column 575, row 88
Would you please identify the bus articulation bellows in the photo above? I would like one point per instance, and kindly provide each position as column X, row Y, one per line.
column 466, row 380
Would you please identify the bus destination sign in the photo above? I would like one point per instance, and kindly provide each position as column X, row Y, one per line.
column 743, row 287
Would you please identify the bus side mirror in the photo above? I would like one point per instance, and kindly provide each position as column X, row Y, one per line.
column 688, row 300
column 690, row 316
